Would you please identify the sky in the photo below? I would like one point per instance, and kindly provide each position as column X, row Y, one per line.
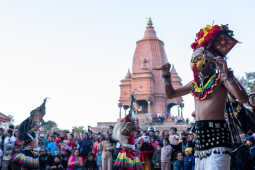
column 76, row 52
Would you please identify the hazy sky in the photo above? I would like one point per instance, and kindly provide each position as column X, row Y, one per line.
column 76, row 52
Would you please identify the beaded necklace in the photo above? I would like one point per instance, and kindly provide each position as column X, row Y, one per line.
column 201, row 90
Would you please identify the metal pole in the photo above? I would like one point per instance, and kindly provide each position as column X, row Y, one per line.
column 120, row 106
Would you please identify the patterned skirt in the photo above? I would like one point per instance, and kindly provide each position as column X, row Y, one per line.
column 128, row 160
column 26, row 161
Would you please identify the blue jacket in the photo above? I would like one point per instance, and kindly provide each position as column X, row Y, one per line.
column 51, row 147
column 85, row 147
column 99, row 158
column 252, row 154
column 189, row 162
column 178, row 165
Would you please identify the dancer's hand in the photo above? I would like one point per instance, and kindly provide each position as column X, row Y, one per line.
column 222, row 65
column 165, row 68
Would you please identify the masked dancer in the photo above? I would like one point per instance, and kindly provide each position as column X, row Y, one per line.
column 124, row 132
column 213, row 80
column 28, row 158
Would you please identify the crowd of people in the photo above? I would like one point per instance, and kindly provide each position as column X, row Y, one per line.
column 65, row 150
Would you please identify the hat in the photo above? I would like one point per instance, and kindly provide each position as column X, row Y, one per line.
column 152, row 128
column 189, row 150
column 216, row 39
column 40, row 109
column 174, row 129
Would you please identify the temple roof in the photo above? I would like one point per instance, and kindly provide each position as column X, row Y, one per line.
column 150, row 32
column 174, row 76
column 4, row 118
column 128, row 75
column 143, row 80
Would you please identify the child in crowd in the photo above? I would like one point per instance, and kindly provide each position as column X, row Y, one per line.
column 57, row 165
column 90, row 163
column 166, row 155
column 99, row 157
column 189, row 160
column 43, row 159
column 1, row 156
column 179, row 164
column 157, row 158
column 7, row 157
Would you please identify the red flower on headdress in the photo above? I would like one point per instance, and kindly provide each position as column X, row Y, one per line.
column 194, row 45
column 207, row 39
column 200, row 34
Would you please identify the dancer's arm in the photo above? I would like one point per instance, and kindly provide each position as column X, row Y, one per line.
column 230, row 82
column 170, row 91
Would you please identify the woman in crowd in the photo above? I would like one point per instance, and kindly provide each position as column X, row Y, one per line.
column 107, row 148
column 166, row 155
column 156, row 159
column 95, row 145
column 75, row 162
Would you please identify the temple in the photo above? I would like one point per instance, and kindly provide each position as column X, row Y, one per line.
column 147, row 84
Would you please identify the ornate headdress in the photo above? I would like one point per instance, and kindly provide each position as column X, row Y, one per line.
column 131, row 115
column 28, row 126
column 210, row 41
column 40, row 110
column 216, row 39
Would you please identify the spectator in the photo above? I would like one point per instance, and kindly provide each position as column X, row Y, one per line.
column 57, row 165
column 107, row 148
column 50, row 158
column 7, row 139
column 90, row 163
column 157, row 134
column 175, row 141
column 65, row 150
column 1, row 145
column 190, row 140
column 51, row 147
column 166, row 155
column 75, row 162
column 43, row 159
column 189, row 160
column 7, row 156
column 95, row 145
column 179, row 164
column 173, row 137
column 71, row 141
column 156, row 159
column 1, row 157
column 99, row 157
column 251, row 143
column 85, row 146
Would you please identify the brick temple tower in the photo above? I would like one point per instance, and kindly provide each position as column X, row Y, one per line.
column 147, row 84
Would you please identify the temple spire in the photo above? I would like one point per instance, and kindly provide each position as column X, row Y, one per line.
column 150, row 24
column 150, row 32
column 128, row 75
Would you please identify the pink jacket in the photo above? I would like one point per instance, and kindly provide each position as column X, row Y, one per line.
column 72, row 162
